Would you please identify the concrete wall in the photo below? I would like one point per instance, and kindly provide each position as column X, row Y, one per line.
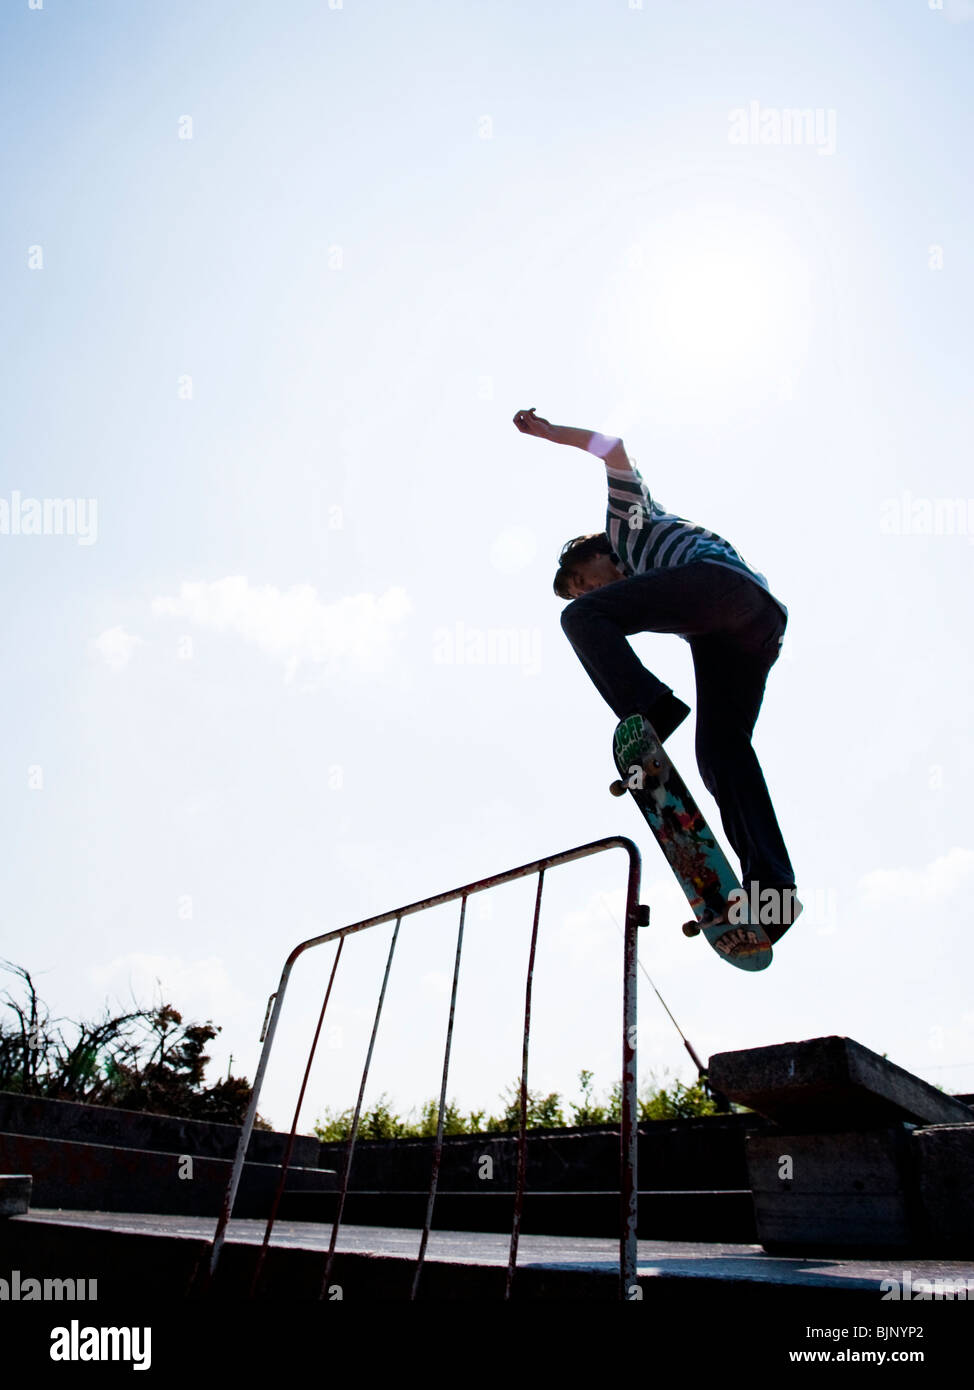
column 692, row 1173
column 137, row 1129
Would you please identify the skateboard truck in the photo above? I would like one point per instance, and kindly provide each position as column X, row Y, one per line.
column 709, row 918
column 652, row 770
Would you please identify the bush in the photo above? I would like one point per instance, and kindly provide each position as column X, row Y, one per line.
column 147, row 1059
column 679, row 1102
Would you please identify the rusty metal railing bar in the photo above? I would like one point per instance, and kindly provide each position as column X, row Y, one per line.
column 628, row 1134
column 628, row 1127
column 229, row 1197
column 285, row 1165
column 550, row 861
column 522, row 1138
column 438, row 1148
column 346, row 1171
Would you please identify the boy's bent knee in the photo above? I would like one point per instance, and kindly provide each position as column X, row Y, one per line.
column 570, row 616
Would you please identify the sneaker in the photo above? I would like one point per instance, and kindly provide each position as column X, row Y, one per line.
column 787, row 909
column 792, row 908
column 666, row 714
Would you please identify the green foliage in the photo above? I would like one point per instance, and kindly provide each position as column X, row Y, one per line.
column 380, row 1122
column 454, row 1121
column 678, row 1102
column 541, row 1112
column 588, row 1112
column 335, row 1126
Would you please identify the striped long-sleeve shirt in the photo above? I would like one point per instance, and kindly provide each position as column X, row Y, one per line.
column 646, row 537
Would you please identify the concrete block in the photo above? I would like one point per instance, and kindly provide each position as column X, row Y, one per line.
column 944, row 1167
column 833, row 1191
column 14, row 1193
column 831, row 1084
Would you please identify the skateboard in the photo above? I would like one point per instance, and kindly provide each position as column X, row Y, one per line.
column 690, row 846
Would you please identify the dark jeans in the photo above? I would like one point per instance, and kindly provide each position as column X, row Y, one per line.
column 734, row 629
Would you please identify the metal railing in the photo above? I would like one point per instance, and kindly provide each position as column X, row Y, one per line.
column 627, row 1184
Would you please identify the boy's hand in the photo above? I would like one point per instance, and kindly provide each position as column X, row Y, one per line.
column 529, row 423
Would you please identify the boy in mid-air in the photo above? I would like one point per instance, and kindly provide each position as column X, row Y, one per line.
column 651, row 571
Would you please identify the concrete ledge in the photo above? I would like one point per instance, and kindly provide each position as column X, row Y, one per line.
column 97, row 1177
column 831, row 1084
column 703, row 1153
column 138, row 1129
column 833, row 1192
column 94, row 1177
column 944, row 1166
column 14, row 1193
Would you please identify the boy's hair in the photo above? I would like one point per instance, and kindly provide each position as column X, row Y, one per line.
column 576, row 552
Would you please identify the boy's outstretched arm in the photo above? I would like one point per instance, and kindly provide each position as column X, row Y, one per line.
column 606, row 447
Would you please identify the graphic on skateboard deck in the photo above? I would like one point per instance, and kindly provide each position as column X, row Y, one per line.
column 690, row 847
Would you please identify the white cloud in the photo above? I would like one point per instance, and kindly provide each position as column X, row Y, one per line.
column 939, row 882
column 116, row 646
column 294, row 626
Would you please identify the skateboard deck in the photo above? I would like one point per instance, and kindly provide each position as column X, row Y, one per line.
column 690, row 846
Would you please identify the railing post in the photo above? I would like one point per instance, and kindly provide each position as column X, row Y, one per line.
column 522, row 1138
column 629, row 1135
column 248, row 1124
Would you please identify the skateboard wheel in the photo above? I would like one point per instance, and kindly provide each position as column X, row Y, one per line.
column 691, row 928
column 618, row 788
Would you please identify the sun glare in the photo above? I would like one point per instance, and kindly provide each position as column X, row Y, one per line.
column 715, row 300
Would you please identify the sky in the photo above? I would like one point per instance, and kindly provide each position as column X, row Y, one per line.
column 282, row 651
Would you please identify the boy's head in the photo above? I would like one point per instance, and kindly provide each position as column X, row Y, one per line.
column 587, row 562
